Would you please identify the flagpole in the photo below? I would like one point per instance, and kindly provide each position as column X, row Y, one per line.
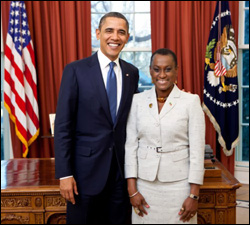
column 218, row 149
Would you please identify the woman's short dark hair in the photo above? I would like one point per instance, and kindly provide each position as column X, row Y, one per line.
column 113, row 14
column 164, row 51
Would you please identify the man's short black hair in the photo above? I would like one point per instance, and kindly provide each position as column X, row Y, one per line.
column 113, row 14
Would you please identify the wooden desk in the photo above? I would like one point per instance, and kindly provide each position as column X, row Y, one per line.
column 217, row 203
column 30, row 194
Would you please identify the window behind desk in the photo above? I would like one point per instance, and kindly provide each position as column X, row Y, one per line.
column 242, row 154
column 2, row 127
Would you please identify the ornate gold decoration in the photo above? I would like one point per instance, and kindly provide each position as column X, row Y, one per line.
column 14, row 218
column 38, row 202
column 15, row 202
column 55, row 201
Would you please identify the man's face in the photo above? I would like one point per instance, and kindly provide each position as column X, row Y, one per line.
column 113, row 36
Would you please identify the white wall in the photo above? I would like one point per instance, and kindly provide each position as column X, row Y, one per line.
column 8, row 152
column 242, row 174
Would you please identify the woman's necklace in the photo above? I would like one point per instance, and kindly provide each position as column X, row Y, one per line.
column 162, row 100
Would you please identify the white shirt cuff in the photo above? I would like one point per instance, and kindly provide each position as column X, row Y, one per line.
column 62, row 178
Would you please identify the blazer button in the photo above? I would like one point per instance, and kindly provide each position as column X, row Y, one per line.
column 110, row 149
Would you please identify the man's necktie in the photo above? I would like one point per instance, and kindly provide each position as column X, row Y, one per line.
column 112, row 91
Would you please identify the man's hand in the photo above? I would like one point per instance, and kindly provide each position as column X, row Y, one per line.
column 68, row 188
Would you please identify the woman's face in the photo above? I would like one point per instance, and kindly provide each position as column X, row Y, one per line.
column 163, row 72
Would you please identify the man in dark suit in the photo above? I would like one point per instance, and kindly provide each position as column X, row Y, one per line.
column 90, row 128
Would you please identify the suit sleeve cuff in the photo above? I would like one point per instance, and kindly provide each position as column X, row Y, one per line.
column 196, row 177
column 130, row 171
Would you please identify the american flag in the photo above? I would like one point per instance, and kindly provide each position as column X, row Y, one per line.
column 20, row 84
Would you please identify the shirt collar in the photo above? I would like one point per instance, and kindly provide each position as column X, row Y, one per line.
column 104, row 60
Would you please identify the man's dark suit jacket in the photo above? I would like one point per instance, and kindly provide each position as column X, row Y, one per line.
column 85, row 136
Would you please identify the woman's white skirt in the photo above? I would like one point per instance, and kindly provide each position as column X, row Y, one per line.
column 165, row 201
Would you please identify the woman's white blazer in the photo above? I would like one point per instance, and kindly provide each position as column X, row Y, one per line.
column 168, row 146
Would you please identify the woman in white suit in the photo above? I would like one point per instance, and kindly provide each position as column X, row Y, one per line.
column 164, row 151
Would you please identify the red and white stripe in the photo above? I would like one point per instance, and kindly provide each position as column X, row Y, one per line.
column 219, row 69
column 20, row 91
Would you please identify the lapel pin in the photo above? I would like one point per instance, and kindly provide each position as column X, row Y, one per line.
column 170, row 103
column 150, row 105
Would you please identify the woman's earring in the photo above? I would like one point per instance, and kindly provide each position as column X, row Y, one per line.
column 176, row 82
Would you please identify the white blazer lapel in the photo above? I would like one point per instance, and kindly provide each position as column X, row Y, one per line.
column 152, row 104
column 171, row 101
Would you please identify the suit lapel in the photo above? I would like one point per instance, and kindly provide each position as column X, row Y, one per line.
column 98, row 84
column 126, row 76
column 171, row 101
column 152, row 105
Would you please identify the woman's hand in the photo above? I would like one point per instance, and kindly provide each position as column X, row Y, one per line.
column 189, row 209
column 138, row 202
